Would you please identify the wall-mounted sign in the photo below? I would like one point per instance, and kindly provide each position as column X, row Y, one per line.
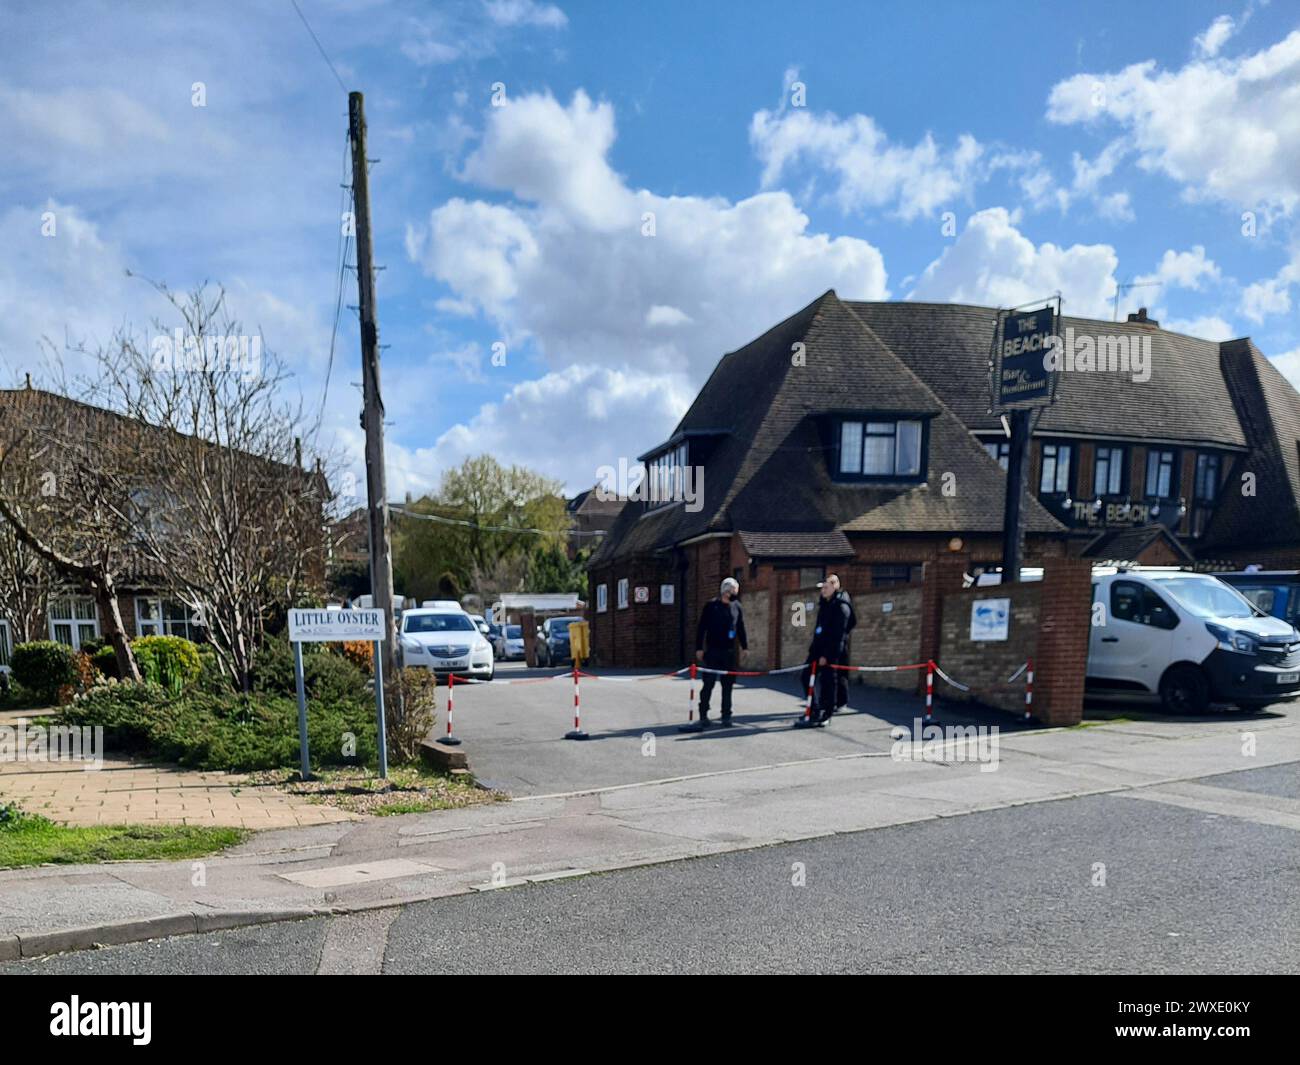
column 887, row 607
column 328, row 626
column 1023, row 379
column 667, row 593
column 990, row 619
column 641, row 594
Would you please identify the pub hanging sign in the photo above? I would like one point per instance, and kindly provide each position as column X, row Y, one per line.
column 1028, row 339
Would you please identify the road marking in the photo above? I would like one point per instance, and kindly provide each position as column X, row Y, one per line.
column 355, row 943
column 362, row 873
column 1275, row 810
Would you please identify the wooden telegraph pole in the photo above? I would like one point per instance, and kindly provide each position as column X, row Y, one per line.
column 372, row 417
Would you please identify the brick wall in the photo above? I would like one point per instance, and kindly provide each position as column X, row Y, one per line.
column 888, row 634
column 985, row 665
column 1049, row 625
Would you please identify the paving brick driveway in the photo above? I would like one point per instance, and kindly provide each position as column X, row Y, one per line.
column 130, row 792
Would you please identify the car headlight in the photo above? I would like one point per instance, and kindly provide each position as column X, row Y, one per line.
column 1243, row 643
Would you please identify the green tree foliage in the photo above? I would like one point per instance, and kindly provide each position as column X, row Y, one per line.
column 431, row 560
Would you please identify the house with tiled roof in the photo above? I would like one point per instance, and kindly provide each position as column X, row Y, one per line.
column 860, row 438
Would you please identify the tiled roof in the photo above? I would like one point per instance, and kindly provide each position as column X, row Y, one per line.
column 948, row 346
column 833, row 544
column 766, row 408
column 1126, row 545
column 1265, row 510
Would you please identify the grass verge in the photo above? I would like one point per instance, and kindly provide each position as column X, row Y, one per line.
column 409, row 789
column 28, row 839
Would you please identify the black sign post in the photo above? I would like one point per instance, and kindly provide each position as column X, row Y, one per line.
column 1022, row 382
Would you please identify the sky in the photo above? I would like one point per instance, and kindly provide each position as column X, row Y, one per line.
column 579, row 207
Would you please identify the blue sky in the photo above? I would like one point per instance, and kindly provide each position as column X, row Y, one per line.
column 987, row 153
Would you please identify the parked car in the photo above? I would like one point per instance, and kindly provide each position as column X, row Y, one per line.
column 509, row 642
column 481, row 623
column 1189, row 638
column 446, row 641
column 1275, row 592
column 553, row 642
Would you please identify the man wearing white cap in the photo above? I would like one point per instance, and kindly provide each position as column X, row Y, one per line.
column 719, row 639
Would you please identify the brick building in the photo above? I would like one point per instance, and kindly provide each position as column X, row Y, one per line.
column 69, row 612
column 857, row 437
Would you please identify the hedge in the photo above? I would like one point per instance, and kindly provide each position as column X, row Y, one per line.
column 43, row 667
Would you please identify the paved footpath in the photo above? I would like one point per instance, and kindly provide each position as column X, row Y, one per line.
column 380, row 862
column 124, row 791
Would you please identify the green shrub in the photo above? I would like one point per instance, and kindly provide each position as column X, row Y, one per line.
column 211, row 679
column 225, row 732
column 105, row 660
column 43, row 667
column 171, row 662
column 329, row 677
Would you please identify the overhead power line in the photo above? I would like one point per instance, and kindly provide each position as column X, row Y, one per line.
column 464, row 523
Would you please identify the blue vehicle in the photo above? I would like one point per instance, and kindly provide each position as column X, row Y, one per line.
column 1276, row 592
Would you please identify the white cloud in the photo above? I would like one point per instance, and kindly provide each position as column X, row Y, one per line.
column 1184, row 269
column 526, row 13
column 573, row 269
column 659, row 315
column 1223, row 129
column 1207, row 327
column 1209, row 43
column 565, row 425
column 1288, row 364
column 869, row 171
column 993, row 263
column 1262, row 298
column 544, row 152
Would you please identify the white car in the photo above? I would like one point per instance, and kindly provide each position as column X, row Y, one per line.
column 446, row 641
column 509, row 642
column 1189, row 638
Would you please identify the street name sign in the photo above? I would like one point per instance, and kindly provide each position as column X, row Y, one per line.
column 330, row 626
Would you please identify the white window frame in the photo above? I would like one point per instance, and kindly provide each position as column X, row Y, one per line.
column 602, row 598
column 163, row 625
column 622, row 593
column 862, row 431
column 73, row 621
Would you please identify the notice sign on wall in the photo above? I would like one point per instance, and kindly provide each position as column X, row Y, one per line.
column 990, row 619
column 1023, row 378
column 328, row 626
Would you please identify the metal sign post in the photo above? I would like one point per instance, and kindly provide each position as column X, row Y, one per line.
column 337, row 626
column 302, row 710
column 1021, row 382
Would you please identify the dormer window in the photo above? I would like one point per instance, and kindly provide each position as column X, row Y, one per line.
column 880, row 448
column 666, row 477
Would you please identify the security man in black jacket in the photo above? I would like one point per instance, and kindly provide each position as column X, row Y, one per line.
column 718, row 639
column 830, row 648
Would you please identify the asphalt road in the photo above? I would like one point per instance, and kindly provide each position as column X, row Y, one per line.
column 1006, row 891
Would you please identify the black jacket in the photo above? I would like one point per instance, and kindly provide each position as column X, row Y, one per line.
column 835, row 618
column 721, row 626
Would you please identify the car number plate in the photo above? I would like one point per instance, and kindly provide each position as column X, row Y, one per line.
column 1288, row 678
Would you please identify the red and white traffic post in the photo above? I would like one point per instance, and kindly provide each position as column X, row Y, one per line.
column 576, row 733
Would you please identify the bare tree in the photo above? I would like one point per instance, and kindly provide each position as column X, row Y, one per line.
column 26, row 581
column 237, row 527
column 71, row 497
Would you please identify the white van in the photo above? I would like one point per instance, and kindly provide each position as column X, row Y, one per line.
column 1189, row 638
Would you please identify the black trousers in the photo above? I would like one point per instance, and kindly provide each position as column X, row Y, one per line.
column 716, row 660
column 832, row 691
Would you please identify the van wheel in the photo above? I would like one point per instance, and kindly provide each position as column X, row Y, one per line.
column 1184, row 690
